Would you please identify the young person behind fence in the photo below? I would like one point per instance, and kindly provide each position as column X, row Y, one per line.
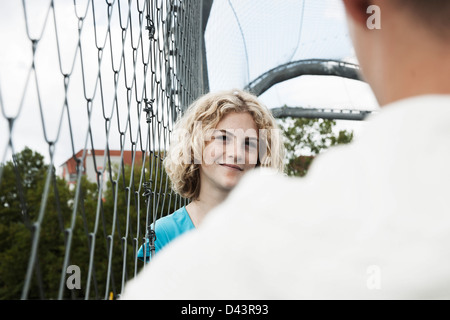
column 220, row 137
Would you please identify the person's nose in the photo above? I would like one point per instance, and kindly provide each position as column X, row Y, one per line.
column 238, row 151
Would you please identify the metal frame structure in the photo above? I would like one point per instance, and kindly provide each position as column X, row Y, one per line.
column 300, row 68
column 308, row 67
column 344, row 114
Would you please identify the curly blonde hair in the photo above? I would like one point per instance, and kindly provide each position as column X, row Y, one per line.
column 183, row 159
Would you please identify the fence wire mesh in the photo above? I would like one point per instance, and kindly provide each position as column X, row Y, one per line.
column 89, row 92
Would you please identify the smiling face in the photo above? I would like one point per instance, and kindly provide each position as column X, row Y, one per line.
column 231, row 151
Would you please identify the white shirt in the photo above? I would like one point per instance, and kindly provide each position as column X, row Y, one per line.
column 371, row 220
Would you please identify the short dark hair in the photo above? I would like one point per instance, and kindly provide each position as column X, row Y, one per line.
column 433, row 14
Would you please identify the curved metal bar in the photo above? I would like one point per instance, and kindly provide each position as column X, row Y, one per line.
column 303, row 67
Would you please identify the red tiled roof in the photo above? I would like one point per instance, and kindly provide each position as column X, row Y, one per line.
column 127, row 158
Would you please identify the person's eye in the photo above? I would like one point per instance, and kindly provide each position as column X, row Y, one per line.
column 222, row 137
column 250, row 143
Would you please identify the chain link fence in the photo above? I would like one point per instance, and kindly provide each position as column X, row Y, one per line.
column 89, row 92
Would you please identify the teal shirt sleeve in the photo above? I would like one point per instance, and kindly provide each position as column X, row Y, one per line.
column 166, row 229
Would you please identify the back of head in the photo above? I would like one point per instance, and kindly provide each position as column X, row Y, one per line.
column 434, row 15
column 403, row 46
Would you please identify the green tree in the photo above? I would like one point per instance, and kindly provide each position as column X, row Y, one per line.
column 24, row 180
column 106, row 227
column 306, row 138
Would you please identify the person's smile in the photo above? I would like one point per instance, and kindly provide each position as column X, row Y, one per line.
column 231, row 166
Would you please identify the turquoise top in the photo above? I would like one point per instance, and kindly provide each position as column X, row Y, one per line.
column 168, row 228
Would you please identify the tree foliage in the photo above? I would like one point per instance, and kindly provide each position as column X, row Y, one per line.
column 305, row 138
column 112, row 224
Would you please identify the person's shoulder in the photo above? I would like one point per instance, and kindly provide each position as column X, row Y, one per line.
column 262, row 179
column 177, row 221
column 333, row 172
column 170, row 219
column 259, row 186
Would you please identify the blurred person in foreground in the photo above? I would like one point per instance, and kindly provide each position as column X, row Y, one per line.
column 371, row 220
